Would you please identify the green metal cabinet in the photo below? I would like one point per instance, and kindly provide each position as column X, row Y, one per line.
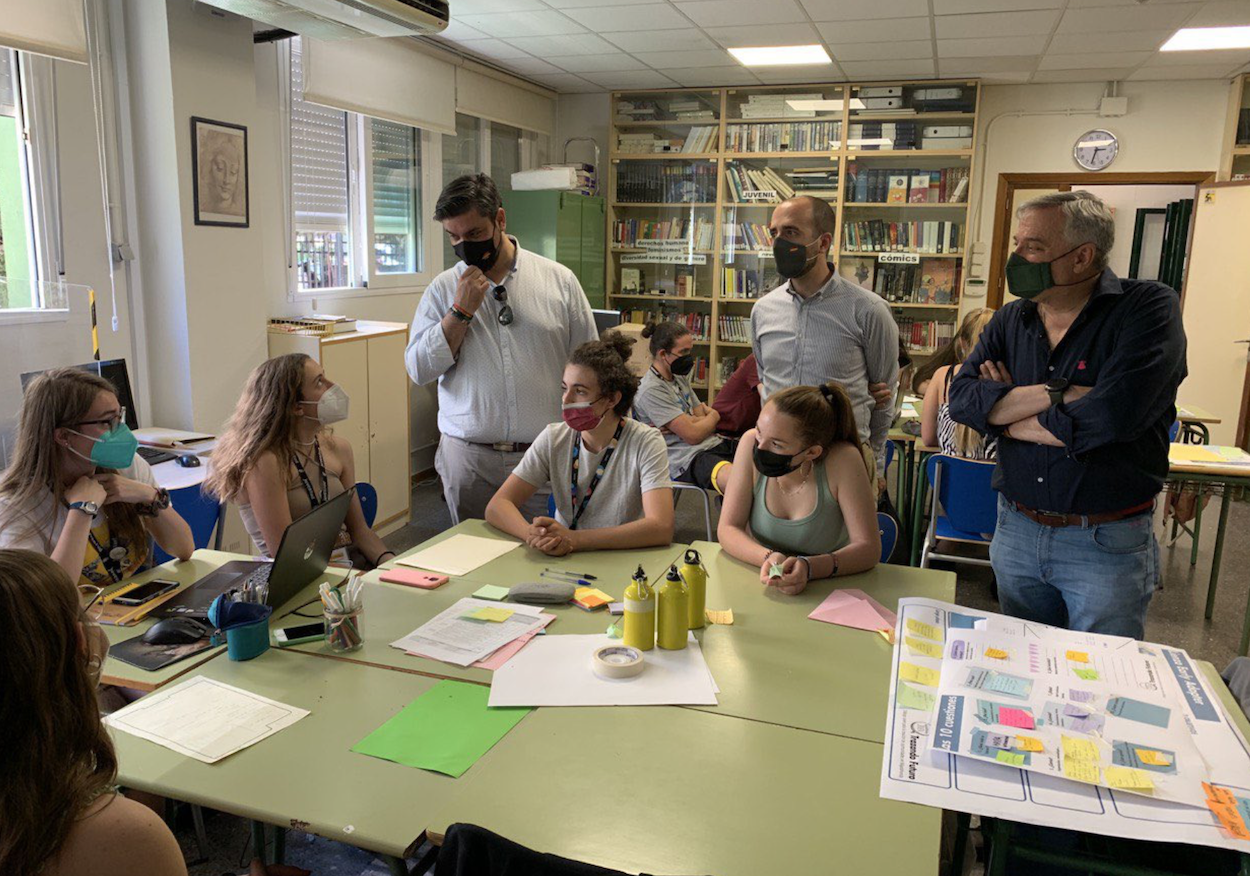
column 566, row 227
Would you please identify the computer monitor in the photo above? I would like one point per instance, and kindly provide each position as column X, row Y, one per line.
column 606, row 319
column 112, row 370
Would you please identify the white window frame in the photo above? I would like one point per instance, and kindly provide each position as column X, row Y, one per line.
column 431, row 255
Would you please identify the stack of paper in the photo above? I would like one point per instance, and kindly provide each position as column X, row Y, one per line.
column 459, row 555
column 472, row 630
column 854, row 608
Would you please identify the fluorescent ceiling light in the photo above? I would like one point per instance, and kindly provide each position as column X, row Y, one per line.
column 776, row 56
column 822, row 106
column 1205, row 39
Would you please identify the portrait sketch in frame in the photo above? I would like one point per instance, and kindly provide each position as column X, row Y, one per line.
column 219, row 173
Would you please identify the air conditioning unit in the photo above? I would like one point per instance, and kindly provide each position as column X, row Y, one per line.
column 344, row 19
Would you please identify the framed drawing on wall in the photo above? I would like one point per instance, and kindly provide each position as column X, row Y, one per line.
column 219, row 173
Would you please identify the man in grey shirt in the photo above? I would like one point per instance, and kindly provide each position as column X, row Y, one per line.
column 818, row 327
column 495, row 331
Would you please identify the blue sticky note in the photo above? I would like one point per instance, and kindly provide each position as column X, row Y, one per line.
column 1135, row 710
column 1011, row 685
column 957, row 621
column 987, row 712
column 980, row 744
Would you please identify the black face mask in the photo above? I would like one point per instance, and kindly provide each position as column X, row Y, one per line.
column 682, row 365
column 792, row 259
column 480, row 254
column 773, row 465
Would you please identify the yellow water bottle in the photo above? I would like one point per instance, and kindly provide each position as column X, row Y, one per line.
column 673, row 611
column 639, row 613
column 695, row 577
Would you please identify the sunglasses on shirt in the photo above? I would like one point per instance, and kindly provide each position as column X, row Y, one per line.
column 505, row 312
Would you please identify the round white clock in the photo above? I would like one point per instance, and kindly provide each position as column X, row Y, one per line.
column 1096, row 149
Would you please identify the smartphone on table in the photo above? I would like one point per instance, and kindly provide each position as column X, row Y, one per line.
column 145, row 592
column 299, row 634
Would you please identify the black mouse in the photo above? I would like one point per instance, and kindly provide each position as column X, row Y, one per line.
column 175, row 631
column 187, row 460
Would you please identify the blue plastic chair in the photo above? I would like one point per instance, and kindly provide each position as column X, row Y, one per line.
column 1174, row 431
column 368, row 496
column 965, row 507
column 889, row 457
column 887, row 526
column 204, row 515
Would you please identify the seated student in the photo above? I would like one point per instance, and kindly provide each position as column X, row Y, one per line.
column 937, row 429
column 608, row 472
column 738, row 401
column 696, row 454
column 75, row 490
column 62, row 813
column 799, row 496
column 278, row 461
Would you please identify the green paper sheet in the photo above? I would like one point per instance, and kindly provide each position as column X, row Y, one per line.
column 491, row 591
column 446, row 729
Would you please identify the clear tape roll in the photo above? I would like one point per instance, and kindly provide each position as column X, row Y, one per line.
column 617, row 661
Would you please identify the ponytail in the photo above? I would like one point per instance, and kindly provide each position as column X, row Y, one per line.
column 607, row 357
column 663, row 335
column 824, row 414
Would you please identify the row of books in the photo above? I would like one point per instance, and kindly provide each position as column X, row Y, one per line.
column 877, row 235
column 702, row 138
column 699, row 324
column 649, row 182
column 933, row 281
column 875, row 136
column 748, row 284
column 682, row 283
column 922, row 334
column 915, row 98
column 747, row 235
column 894, row 185
column 735, row 329
column 819, row 182
column 725, row 369
column 698, row 374
column 698, row 232
column 743, row 179
column 677, row 109
column 784, row 137
column 778, row 106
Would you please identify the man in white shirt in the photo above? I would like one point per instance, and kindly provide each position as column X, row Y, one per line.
column 495, row 331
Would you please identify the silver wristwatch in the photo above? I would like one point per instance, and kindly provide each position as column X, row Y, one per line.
column 91, row 509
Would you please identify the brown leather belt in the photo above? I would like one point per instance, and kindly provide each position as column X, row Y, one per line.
column 1054, row 518
column 504, row 446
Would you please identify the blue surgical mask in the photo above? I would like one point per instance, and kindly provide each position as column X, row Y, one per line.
column 114, row 449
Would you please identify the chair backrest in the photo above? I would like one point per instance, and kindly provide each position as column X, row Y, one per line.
column 888, row 527
column 1174, row 431
column 201, row 513
column 963, row 488
column 889, row 455
column 368, row 496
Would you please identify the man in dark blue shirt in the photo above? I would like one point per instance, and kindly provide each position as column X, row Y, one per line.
column 1078, row 382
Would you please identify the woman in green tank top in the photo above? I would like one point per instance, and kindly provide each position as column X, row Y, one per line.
column 798, row 495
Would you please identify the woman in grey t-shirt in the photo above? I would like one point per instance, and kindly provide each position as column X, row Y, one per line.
column 608, row 473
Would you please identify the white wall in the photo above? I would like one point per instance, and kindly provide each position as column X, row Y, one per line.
column 582, row 115
column 1124, row 202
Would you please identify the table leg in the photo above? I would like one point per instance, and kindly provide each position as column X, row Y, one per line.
column 1193, row 548
column 963, row 822
column 1215, row 561
column 279, row 845
column 998, row 837
column 259, row 844
column 917, row 511
column 396, row 866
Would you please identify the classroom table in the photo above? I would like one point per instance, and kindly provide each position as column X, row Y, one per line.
column 1192, row 417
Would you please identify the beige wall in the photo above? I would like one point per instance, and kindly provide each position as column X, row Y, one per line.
column 1124, row 202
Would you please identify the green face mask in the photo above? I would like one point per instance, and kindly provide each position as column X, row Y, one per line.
column 1028, row 279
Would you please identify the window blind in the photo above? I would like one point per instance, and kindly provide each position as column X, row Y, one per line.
column 490, row 98
column 318, row 159
column 395, row 166
column 8, row 84
column 45, row 27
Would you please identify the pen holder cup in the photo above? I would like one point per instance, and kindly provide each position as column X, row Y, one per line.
column 245, row 641
column 343, row 630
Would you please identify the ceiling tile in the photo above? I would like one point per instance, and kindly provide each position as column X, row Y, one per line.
column 711, row 13
column 1084, row 4
column 988, row 64
column 530, row 66
column 765, row 35
column 844, row 10
column 661, row 40
column 789, row 75
column 1230, row 13
column 960, row 7
column 457, row 30
column 610, row 62
column 713, row 77
column 1087, row 75
column 1129, row 41
column 496, row 49
column 1090, row 60
column 978, row 47
column 875, row 31
column 576, row 4
column 1228, row 58
column 568, row 44
column 653, row 16
column 1195, row 71
column 888, row 69
column 992, row 24
column 1106, row 20
column 898, row 50
column 480, row 7
column 510, row 24
column 1004, row 78
column 631, row 79
column 679, row 60
column 566, row 83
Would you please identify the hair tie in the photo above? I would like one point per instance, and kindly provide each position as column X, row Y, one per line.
column 827, row 394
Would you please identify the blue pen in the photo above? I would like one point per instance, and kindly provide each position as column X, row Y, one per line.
column 581, row 582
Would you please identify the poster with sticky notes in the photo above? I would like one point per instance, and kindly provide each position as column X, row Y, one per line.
column 919, row 674
column 918, row 646
column 928, row 631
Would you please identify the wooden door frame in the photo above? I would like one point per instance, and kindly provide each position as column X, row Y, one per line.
column 1008, row 183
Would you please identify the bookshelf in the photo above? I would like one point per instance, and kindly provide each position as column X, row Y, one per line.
column 1236, row 152
column 693, row 176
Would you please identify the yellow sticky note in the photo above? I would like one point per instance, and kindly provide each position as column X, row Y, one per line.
column 1075, row 748
column 725, row 617
column 1127, row 777
column 1081, row 770
column 1029, row 743
column 495, row 615
column 1153, row 758
column 920, row 646
column 928, row 631
column 996, row 653
column 1078, row 656
column 919, row 674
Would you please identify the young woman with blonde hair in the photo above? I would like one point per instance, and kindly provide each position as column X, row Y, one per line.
column 937, row 429
column 76, row 492
column 278, row 461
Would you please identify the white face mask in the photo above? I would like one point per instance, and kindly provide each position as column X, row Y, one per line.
column 332, row 407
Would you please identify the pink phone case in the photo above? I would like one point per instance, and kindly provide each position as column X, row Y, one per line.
column 414, row 578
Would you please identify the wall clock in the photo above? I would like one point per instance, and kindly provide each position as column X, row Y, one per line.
column 1096, row 149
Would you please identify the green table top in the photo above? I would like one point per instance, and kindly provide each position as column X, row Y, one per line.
column 668, row 790
column 775, row 665
column 306, row 776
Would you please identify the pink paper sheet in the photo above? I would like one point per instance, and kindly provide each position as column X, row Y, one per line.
column 854, row 608
column 504, row 654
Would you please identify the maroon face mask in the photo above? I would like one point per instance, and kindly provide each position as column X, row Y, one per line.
column 581, row 416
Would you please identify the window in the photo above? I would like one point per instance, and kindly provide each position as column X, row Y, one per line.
column 505, row 155
column 19, row 272
column 396, row 161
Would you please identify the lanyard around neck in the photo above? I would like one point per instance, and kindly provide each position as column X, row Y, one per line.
column 303, row 476
column 574, row 463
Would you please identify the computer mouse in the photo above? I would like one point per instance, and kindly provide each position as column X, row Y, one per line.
column 187, row 460
column 175, row 631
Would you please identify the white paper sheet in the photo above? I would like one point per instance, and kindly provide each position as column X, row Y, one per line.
column 912, row 772
column 450, row 637
column 459, row 555
column 556, row 671
column 205, row 719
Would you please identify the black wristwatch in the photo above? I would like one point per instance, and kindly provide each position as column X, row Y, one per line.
column 1056, row 387
column 157, row 505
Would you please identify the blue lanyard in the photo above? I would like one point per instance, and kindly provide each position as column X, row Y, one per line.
column 578, row 510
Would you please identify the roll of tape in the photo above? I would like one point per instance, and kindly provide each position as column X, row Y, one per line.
column 617, row 661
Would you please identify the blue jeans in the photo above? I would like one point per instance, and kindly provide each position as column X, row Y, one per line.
column 1092, row 578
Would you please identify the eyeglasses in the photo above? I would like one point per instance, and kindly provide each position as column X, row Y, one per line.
column 112, row 422
column 89, row 600
column 505, row 312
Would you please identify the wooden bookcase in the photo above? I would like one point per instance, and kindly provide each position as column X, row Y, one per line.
column 817, row 139
column 1235, row 157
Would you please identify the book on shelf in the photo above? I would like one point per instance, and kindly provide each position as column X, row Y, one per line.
column 684, row 282
column 859, row 271
column 750, row 236
column 929, row 281
column 631, row 280
column 783, row 137
column 875, row 136
column 898, row 189
column 925, row 335
column 699, row 324
column 918, row 236
column 734, row 329
column 663, row 182
column 777, row 106
column 878, row 91
column 748, row 283
column 874, row 185
column 698, row 233
column 726, row 368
